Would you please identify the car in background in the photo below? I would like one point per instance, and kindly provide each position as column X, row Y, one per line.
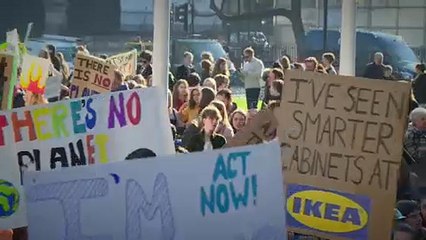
column 65, row 45
column 396, row 51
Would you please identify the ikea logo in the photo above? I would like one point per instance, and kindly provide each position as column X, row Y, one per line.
column 326, row 211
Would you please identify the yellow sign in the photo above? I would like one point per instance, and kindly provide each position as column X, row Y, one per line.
column 35, row 71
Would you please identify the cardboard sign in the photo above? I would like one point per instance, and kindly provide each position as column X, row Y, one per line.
column 262, row 128
column 346, row 136
column 126, row 62
column 34, row 74
column 237, row 194
column 98, row 129
column 91, row 76
column 8, row 72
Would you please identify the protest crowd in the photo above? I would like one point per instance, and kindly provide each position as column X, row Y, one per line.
column 204, row 115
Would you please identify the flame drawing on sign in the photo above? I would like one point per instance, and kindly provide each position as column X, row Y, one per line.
column 33, row 79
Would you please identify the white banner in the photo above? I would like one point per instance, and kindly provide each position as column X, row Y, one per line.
column 98, row 129
column 235, row 193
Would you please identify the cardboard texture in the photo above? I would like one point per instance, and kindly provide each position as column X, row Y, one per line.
column 126, row 62
column 7, row 80
column 345, row 135
column 262, row 128
column 91, row 76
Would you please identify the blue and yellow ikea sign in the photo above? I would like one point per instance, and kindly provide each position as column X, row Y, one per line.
column 332, row 213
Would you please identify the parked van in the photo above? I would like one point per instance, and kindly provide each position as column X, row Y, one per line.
column 397, row 53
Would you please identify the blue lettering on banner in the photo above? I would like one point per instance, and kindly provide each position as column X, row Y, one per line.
column 70, row 194
column 223, row 196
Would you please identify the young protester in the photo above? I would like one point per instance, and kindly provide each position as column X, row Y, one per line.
column 411, row 211
column 207, row 56
column 252, row 73
column 224, row 128
column 222, row 81
column 415, row 137
column 192, row 109
column 225, row 95
column 274, row 74
column 139, row 79
column 328, row 61
column 145, row 59
column 186, row 68
column 140, row 153
column 387, row 74
column 194, row 80
column 238, row 120
column 207, row 96
column 180, row 94
column 53, row 58
column 119, row 84
column 173, row 113
column 311, row 64
column 276, row 89
column 285, row 63
column 207, row 138
column 206, row 70
column 321, row 69
column 211, row 83
column 221, row 67
column 277, row 65
column 65, row 69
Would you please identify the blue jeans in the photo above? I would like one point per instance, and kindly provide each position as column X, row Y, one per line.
column 252, row 96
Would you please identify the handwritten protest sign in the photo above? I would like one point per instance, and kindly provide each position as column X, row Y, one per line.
column 261, row 128
column 8, row 72
column 346, row 139
column 98, row 129
column 91, row 76
column 126, row 62
column 34, row 74
column 227, row 194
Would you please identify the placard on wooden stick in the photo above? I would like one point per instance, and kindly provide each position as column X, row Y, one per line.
column 346, row 136
column 91, row 76
column 126, row 62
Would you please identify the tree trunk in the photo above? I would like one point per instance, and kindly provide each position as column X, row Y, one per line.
column 297, row 26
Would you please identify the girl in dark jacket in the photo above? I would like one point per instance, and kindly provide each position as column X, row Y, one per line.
column 207, row 139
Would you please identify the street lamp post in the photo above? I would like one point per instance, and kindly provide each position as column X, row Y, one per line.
column 161, row 45
column 348, row 38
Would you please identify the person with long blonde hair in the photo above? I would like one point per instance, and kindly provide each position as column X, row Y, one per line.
column 221, row 67
column 224, row 128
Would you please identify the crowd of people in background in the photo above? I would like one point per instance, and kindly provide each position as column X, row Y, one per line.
column 204, row 116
